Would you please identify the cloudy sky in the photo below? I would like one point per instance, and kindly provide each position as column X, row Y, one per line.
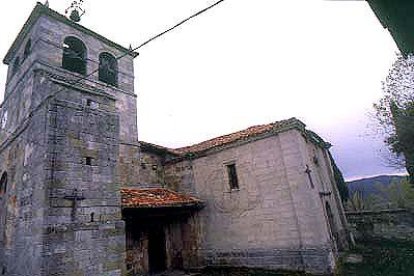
column 245, row 63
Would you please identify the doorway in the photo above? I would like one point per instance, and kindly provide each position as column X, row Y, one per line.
column 156, row 249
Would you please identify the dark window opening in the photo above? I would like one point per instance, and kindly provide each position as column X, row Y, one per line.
column 331, row 221
column 89, row 102
column 3, row 184
column 108, row 69
column 92, row 217
column 88, row 161
column 74, row 55
column 232, row 173
column 315, row 160
column 27, row 49
column 16, row 65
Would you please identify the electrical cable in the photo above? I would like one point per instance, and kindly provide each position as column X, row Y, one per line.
column 85, row 77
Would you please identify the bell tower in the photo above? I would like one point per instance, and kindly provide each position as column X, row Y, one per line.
column 68, row 143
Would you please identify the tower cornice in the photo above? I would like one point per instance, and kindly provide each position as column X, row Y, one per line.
column 40, row 10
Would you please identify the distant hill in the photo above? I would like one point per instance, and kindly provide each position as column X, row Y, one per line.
column 368, row 186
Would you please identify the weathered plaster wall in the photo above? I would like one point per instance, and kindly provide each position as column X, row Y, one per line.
column 274, row 220
column 322, row 174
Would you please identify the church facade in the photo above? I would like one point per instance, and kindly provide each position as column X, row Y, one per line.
column 80, row 195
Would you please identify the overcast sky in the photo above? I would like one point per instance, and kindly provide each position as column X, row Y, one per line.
column 245, row 63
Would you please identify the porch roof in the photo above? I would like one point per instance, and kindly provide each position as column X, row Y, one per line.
column 156, row 198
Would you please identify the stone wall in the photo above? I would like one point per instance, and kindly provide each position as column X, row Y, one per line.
column 85, row 233
column 151, row 170
column 275, row 219
column 391, row 224
column 22, row 211
column 180, row 177
column 66, row 161
column 22, row 155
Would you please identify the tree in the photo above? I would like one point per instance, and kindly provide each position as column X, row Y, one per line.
column 395, row 112
column 398, row 194
column 339, row 180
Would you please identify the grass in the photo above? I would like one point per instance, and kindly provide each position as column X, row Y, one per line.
column 381, row 257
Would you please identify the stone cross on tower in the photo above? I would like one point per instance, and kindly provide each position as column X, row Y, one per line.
column 75, row 197
column 308, row 172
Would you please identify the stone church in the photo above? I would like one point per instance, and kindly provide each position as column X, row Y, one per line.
column 80, row 195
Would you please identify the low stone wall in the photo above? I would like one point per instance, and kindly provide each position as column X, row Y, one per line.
column 318, row 261
column 392, row 224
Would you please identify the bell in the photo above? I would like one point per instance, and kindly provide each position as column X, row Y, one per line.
column 74, row 16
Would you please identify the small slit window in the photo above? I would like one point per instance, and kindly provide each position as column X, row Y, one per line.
column 232, row 175
column 88, row 161
column 27, row 49
column 74, row 55
column 108, row 69
column 3, row 184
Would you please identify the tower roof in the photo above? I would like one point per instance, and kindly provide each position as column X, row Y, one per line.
column 40, row 10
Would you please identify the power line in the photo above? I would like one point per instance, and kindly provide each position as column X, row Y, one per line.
column 178, row 24
column 19, row 130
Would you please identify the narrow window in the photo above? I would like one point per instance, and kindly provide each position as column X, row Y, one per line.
column 108, row 69
column 88, row 161
column 331, row 221
column 74, row 55
column 232, row 173
column 4, row 120
column 27, row 49
column 3, row 184
column 16, row 65
column 89, row 102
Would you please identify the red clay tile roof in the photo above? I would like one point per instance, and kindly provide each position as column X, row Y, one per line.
column 145, row 146
column 155, row 198
column 241, row 135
